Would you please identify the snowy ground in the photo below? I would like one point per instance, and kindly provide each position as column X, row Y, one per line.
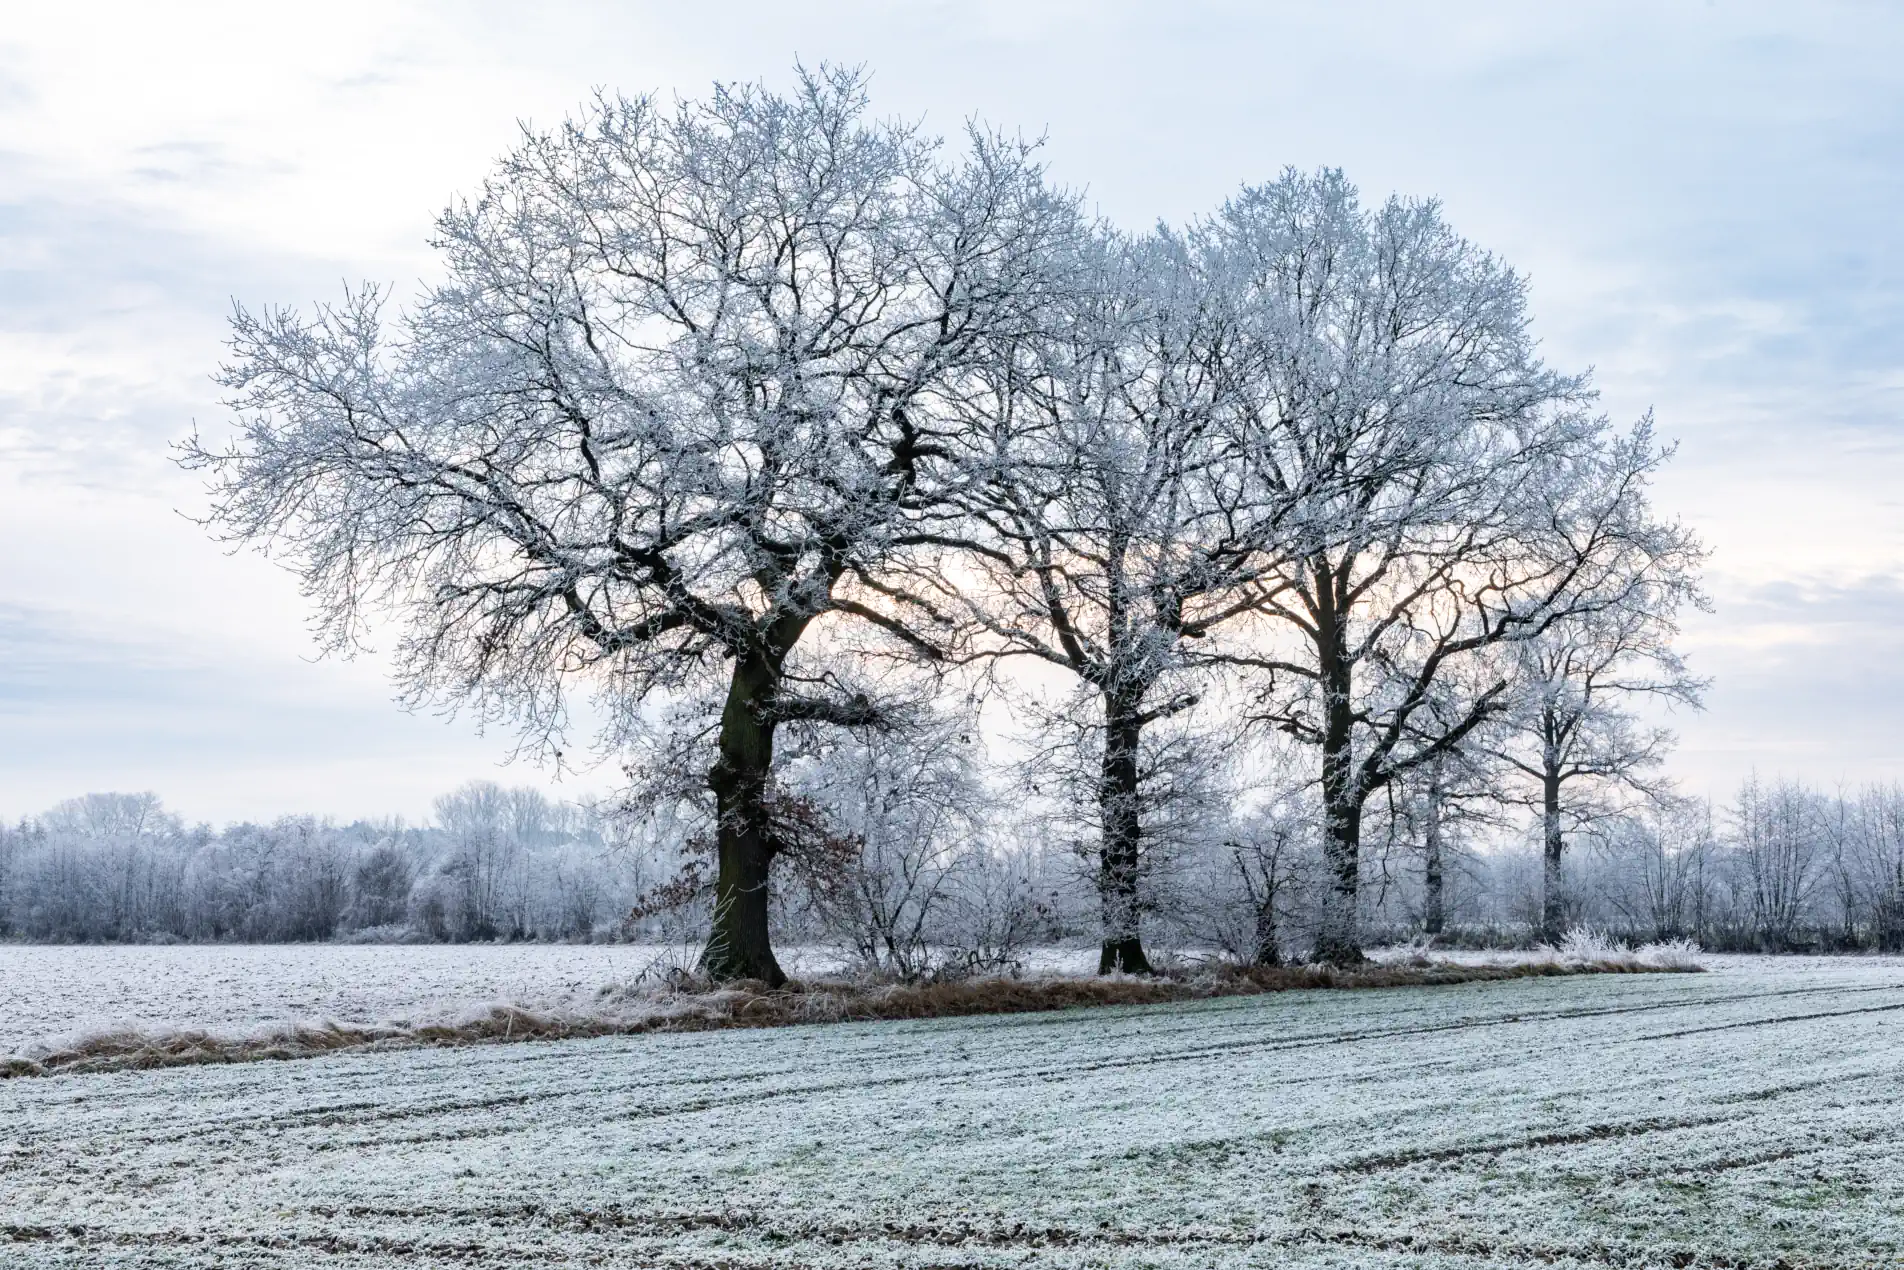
column 63, row 991
column 1750, row 1116
column 51, row 990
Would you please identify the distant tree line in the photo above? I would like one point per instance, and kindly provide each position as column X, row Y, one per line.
column 497, row 864
column 941, row 877
column 920, row 890
column 1779, row 868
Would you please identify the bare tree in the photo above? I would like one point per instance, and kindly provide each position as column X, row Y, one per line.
column 112, row 815
column 1268, row 852
column 677, row 402
column 915, row 804
column 1668, row 846
column 1878, row 844
column 484, row 824
column 1439, row 803
column 1456, row 496
column 1777, row 830
column 1004, row 901
column 380, row 886
column 1571, row 731
column 1113, row 529
column 13, row 846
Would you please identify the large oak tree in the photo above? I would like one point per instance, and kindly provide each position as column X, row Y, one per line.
column 675, row 403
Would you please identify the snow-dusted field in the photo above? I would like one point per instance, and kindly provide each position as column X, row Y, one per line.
column 1751, row 1116
column 63, row 991
column 49, row 992
column 52, row 990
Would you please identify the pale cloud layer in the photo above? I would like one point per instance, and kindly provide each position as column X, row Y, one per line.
column 1705, row 195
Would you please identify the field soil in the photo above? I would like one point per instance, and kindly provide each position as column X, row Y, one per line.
column 1751, row 1116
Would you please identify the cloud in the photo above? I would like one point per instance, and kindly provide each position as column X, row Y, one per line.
column 220, row 732
column 203, row 164
column 115, row 321
column 1808, row 682
column 1705, row 197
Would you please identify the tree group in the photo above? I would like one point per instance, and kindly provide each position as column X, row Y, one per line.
column 758, row 418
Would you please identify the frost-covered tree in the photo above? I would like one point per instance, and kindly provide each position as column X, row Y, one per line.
column 914, row 802
column 1113, row 529
column 1571, row 732
column 1778, row 830
column 1872, row 847
column 674, row 406
column 1438, row 806
column 1457, row 497
column 1667, row 850
column 13, row 843
column 480, row 888
column 1260, row 869
column 380, row 886
column 102, row 816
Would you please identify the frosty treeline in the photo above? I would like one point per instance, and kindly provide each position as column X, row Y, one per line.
column 495, row 864
column 802, row 447
column 944, row 881
column 501, row 864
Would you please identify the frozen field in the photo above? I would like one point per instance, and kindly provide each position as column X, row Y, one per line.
column 51, row 991
column 1753, row 1116
column 63, row 991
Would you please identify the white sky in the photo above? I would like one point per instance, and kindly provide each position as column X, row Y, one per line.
column 1705, row 194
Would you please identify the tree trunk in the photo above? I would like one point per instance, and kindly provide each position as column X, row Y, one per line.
column 1553, row 909
column 1268, row 949
column 1338, row 940
column 1433, row 910
column 737, row 944
column 1118, row 849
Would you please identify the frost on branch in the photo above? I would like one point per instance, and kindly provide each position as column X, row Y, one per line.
column 674, row 413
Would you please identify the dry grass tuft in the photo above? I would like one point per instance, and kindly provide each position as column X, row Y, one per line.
column 696, row 1007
